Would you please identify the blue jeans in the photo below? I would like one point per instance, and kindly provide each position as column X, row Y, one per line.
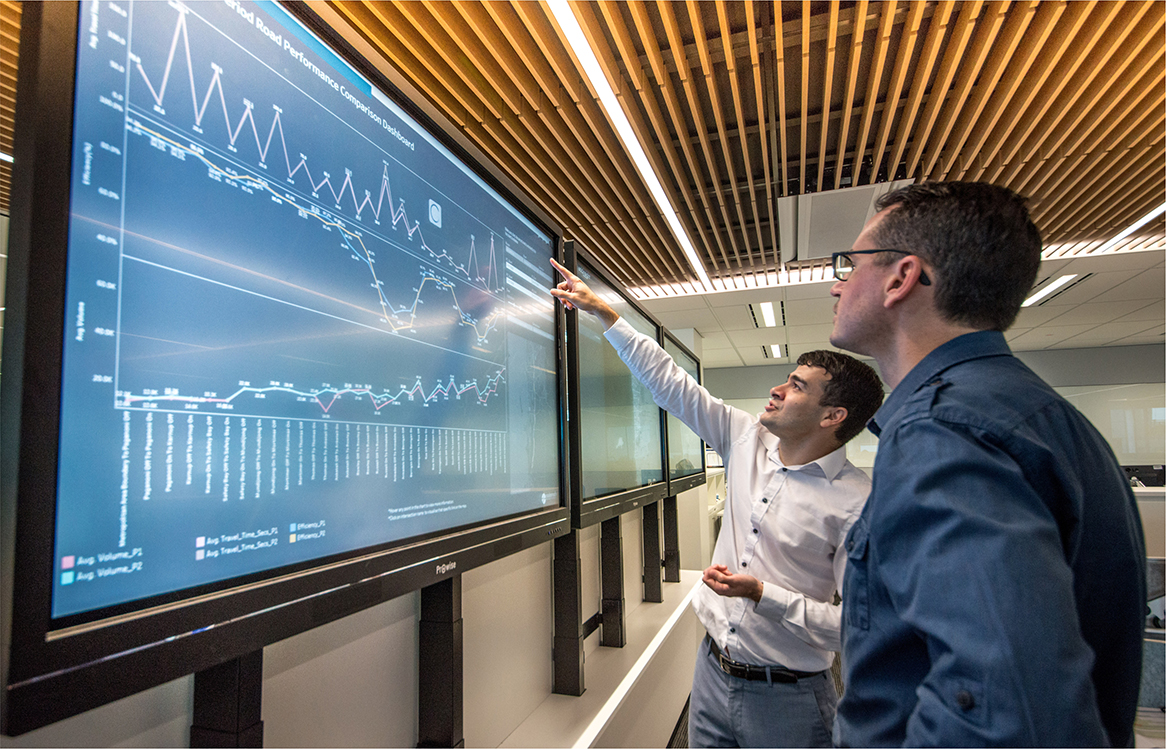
column 725, row 710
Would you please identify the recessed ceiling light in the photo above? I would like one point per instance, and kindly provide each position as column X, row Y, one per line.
column 768, row 314
column 1049, row 289
column 776, row 350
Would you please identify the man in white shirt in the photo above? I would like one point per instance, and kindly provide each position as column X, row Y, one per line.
column 762, row 676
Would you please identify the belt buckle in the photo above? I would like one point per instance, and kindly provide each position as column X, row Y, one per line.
column 733, row 668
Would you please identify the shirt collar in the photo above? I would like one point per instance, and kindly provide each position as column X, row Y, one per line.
column 830, row 464
column 978, row 345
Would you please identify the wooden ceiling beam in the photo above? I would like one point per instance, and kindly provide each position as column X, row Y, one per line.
column 740, row 118
column 966, row 23
column 1120, row 97
column 658, row 132
column 1001, row 107
column 1053, row 125
column 709, row 74
column 858, row 31
column 1095, row 88
column 1145, row 118
column 1083, row 31
column 887, row 14
column 1012, row 130
column 664, row 84
column 708, row 175
column 907, row 46
column 804, row 94
column 518, row 34
column 778, row 92
column 925, row 66
column 659, row 242
column 969, row 68
column 760, row 96
column 1016, row 24
column 1126, row 203
column 1068, row 208
column 828, row 89
column 592, row 167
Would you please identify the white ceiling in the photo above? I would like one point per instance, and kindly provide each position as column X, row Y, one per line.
column 1121, row 304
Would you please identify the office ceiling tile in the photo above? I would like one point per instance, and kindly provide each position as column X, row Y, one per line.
column 810, row 311
column 1146, row 285
column 1096, row 312
column 1046, row 336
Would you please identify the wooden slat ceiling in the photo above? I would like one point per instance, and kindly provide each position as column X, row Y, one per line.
column 9, row 44
column 742, row 104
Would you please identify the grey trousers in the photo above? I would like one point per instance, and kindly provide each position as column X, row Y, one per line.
column 725, row 710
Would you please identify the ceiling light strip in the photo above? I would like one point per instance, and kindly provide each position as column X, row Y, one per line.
column 566, row 19
column 1049, row 289
column 1131, row 230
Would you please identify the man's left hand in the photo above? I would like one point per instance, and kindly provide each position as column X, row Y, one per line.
column 724, row 583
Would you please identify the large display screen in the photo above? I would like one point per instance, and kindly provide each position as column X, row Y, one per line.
column 297, row 324
column 620, row 425
column 686, row 449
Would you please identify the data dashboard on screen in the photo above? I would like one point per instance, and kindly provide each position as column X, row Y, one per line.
column 686, row 449
column 297, row 324
column 620, row 425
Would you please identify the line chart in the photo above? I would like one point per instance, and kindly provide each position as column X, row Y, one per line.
column 471, row 268
column 327, row 396
column 392, row 314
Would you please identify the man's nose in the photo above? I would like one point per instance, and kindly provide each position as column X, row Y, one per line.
column 837, row 288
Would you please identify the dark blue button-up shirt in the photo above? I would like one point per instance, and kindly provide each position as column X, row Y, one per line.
column 995, row 585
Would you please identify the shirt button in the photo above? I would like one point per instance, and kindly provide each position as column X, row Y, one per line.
column 743, row 564
column 755, row 531
column 850, row 546
column 764, row 500
column 964, row 700
column 732, row 630
column 784, row 469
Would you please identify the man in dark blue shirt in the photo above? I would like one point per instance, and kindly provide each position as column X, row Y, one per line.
column 995, row 586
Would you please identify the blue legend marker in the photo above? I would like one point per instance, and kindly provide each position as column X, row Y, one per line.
column 67, row 578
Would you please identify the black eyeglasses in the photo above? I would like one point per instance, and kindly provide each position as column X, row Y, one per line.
column 843, row 265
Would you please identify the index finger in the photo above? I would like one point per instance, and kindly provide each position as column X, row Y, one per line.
column 564, row 271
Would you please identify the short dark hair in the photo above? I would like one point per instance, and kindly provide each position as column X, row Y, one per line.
column 853, row 385
column 980, row 241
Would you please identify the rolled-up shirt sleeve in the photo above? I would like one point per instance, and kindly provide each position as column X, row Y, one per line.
column 815, row 622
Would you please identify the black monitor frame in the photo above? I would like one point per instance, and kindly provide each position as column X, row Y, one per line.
column 693, row 480
column 48, row 674
column 589, row 512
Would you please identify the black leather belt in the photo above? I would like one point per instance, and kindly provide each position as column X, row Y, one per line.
column 745, row 671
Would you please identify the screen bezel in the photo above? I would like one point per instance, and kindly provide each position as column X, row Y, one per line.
column 697, row 478
column 49, row 673
column 589, row 512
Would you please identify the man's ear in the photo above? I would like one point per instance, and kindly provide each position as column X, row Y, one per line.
column 905, row 276
column 833, row 417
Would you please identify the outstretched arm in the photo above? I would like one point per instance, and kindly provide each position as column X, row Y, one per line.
column 574, row 293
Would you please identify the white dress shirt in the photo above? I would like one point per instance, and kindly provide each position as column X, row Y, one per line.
column 782, row 524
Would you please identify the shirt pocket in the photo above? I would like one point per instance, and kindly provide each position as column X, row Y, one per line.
column 855, row 582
